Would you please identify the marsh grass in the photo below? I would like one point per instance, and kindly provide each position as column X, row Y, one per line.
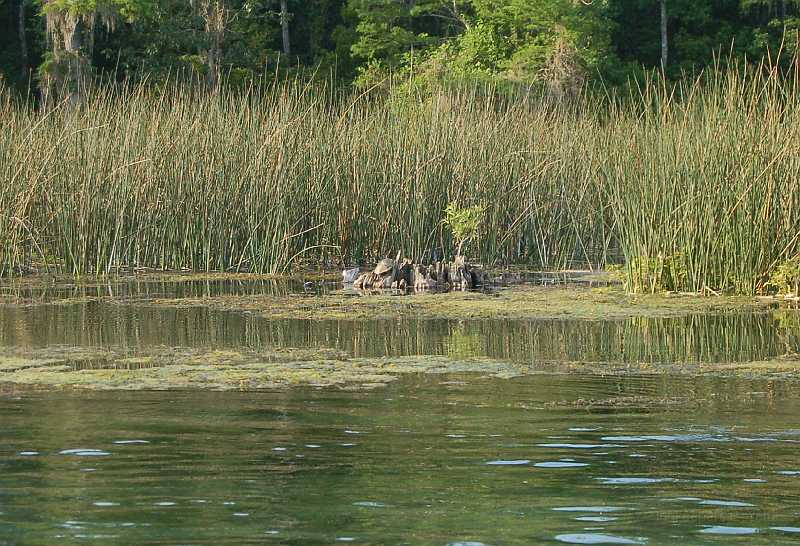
column 695, row 187
column 707, row 197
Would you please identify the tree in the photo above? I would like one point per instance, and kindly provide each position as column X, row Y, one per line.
column 776, row 26
column 464, row 223
column 232, row 41
column 216, row 16
column 23, row 40
column 557, row 43
column 70, row 32
column 664, row 35
column 553, row 43
column 285, row 16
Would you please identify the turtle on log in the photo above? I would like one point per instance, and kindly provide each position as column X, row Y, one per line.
column 392, row 273
column 383, row 276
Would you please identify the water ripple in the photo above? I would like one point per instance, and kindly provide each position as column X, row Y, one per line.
column 560, row 464
column 590, row 509
column 82, row 452
column 595, row 538
column 582, row 446
column 726, row 530
column 733, row 504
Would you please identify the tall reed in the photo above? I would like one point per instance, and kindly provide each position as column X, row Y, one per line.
column 696, row 187
column 705, row 192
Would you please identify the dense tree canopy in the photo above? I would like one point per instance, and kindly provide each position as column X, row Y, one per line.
column 57, row 45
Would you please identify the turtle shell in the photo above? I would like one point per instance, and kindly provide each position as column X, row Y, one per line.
column 384, row 266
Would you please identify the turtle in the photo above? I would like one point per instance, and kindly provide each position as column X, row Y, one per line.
column 386, row 265
column 422, row 279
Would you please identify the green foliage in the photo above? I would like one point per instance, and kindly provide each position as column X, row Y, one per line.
column 786, row 277
column 171, row 40
column 554, row 45
column 127, row 9
column 533, row 28
column 463, row 222
column 510, row 40
column 659, row 274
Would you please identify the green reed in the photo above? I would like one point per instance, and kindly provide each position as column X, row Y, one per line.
column 706, row 197
column 695, row 187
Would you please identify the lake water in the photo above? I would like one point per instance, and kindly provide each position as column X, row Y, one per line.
column 427, row 460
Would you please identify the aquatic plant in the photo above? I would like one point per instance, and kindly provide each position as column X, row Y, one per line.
column 694, row 188
column 262, row 180
column 707, row 189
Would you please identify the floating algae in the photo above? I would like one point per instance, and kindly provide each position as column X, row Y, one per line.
column 167, row 368
column 171, row 368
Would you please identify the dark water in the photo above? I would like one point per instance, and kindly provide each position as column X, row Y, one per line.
column 427, row 460
column 421, row 462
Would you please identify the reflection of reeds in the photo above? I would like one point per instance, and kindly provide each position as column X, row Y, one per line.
column 697, row 338
column 730, row 337
column 697, row 186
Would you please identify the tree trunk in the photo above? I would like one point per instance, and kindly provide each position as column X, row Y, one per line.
column 23, row 42
column 213, row 58
column 67, row 74
column 664, row 36
column 216, row 23
column 287, row 47
column 215, row 15
column 77, row 61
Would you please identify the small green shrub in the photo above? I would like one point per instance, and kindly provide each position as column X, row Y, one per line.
column 463, row 223
column 786, row 277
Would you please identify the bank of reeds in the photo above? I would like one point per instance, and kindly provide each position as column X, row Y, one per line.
column 706, row 191
column 695, row 187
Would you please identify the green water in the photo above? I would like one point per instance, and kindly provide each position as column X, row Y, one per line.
column 438, row 460
column 406, row 465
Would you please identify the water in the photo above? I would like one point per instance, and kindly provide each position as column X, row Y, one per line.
column 287, row 468
column 427, row 460
column 128, row 321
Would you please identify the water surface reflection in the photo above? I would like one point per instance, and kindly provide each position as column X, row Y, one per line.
column 729, row 337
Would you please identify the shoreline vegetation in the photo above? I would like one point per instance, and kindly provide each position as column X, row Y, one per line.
column 692, row 188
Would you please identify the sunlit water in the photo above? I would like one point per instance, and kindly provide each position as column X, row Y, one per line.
column 427, row 460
